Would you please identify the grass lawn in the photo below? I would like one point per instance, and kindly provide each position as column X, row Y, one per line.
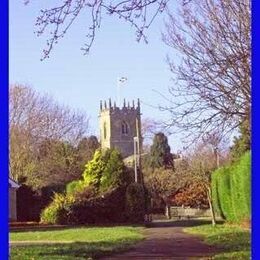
column 74, row 243
column 234, row 241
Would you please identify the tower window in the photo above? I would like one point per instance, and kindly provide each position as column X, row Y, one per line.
column 125, row 128
column 105, row 131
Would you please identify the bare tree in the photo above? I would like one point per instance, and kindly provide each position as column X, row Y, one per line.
column 57, row 20
column 34, row 119
column 42, row 117
column 212, row 81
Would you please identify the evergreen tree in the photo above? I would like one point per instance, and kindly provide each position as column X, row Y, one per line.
column 242, row 143
column 160, row 153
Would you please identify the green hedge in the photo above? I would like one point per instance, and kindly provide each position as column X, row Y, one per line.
column 231, row 190
column 241, row 188
column 214, row 190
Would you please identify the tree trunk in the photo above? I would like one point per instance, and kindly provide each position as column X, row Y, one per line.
column 213, row 218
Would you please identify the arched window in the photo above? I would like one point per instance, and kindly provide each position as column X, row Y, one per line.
column 125, row 128
column 105, row 130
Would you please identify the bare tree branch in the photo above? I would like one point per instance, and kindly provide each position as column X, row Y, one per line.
column 212, row 87
column 56, row 21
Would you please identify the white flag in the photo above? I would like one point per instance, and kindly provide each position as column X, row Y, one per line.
column 122, row 79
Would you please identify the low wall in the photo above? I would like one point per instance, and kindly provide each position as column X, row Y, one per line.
column 189, row 212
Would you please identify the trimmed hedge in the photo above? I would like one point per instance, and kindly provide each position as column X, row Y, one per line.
column 231, row 190
column 214, row 190
column 241, row 188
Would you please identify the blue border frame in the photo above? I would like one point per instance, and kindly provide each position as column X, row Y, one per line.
column 255, row 128
column 4, row 130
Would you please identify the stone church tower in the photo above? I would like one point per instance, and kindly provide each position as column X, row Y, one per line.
column 120, row 127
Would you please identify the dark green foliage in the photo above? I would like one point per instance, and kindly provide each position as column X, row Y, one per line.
column 114, row 173
column 135, row 202
column 30, row 203
column 242, row 143
column 224, row 193
column 160, row 153
column 214, row 190
column 231, row 190
column 240, row 183
column 108, row 207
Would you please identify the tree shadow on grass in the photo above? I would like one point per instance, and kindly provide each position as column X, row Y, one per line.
column 180, row 223
column 75, row 250
column 232, row 242
column 67, row 227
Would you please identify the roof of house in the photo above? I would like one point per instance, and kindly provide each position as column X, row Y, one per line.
column 13, row 184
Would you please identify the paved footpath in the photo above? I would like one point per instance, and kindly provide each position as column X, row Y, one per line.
column 167, row 242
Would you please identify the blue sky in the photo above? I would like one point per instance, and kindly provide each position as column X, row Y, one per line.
column 82, row 81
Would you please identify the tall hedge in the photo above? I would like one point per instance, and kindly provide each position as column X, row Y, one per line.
column 214, row 190
column 241, row 188
column 231, row 190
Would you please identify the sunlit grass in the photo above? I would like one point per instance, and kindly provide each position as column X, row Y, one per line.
column 74, row 243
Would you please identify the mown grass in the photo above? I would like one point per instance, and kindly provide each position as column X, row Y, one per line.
column 74, row 243
column 234, row 242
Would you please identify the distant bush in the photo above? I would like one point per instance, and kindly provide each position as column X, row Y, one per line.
column 231, row 190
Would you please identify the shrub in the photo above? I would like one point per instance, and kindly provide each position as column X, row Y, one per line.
column 74, row 186
column 93, row 170
column 135, row 202
column 107, row 207
column 57, row 211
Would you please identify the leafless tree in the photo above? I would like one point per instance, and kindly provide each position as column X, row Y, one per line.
column 57, row 20
column 212, row 84
column 42, row 117
column 35, row 118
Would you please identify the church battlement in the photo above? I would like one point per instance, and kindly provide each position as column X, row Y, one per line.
column 120, row 125
column 127, row 107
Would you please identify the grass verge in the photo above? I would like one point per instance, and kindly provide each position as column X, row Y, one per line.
column 73, row 243
column 233, row 241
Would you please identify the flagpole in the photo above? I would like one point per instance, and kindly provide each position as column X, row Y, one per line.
column 118, row 91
